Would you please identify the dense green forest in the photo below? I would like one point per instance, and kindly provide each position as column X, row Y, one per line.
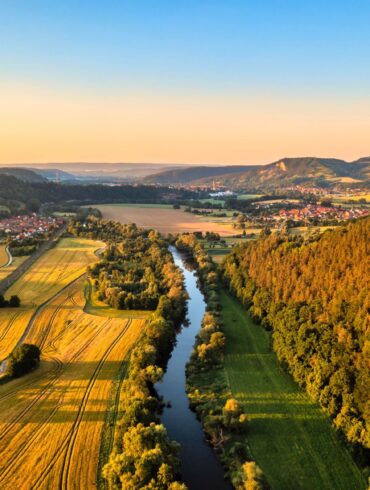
column 315, row 298
column 17, row 195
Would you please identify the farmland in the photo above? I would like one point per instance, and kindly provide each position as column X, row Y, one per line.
column 52, row 420
column 3, row 256
column 163, row 218
column 289, row 436
column 16, row 262
column 45, row 278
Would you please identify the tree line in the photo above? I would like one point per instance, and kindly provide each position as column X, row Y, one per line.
column 222, row 416
column 17, row 195
column 314, row 296
column 143, row 456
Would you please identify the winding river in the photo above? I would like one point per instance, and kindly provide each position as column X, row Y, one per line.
column 201, row 470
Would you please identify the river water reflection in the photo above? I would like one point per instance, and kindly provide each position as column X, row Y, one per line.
column 201, row 470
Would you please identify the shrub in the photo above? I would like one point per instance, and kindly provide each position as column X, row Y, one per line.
column 23, row 359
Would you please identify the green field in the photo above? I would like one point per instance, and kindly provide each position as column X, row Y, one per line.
column 249, row 196
column 289, row 436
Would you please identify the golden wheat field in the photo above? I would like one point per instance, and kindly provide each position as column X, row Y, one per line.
column 16, row 262
column 164, row 219
column 55, row 269
column 45, row 278
column 3, row 256
column 52, row 421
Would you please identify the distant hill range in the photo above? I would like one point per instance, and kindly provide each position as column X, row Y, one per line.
column 22, row 174
column 324, row 172
column 94, row 172
column 195, row 173
column 282, row 173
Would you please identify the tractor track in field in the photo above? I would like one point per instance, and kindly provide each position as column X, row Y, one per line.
column 50, row 347
column 21, row 448
column 69, row 442
column 35, row 315
column 58, row 373
column 10, row 324
column 63, row 483
column 26, row 410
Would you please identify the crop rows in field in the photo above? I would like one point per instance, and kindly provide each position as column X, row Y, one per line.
column 51, row 421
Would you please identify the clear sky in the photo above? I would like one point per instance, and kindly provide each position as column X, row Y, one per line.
column 183, row 81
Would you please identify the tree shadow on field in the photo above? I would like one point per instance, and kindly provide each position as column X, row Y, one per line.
column 86, row 389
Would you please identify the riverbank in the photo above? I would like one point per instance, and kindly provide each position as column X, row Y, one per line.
column 201, row 468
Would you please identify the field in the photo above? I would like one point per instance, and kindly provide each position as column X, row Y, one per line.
column 3, row 256
column 56, row 421
column 164, row 219
column 45, row 278
column 249, row 196
column 288, row 436
column 16, row 262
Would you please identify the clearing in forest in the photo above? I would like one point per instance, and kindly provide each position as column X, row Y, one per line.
column 289, row 436
column 52, row 421
column 165, row 219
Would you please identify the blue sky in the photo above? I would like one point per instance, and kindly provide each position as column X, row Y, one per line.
column 186, row 45
column 263, row 79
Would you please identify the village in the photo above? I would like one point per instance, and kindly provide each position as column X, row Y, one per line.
column 28, row 226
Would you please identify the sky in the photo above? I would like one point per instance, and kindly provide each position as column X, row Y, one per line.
column 197, row 82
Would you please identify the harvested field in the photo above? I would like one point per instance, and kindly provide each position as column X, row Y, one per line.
column 3, row 256
column 45, row 278
column 17, row 261
column 163, row 219
column 55, row 269
column 52, row 420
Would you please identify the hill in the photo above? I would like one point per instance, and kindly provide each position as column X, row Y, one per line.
column 189, row 174
column 22, row 174
column 282, row 173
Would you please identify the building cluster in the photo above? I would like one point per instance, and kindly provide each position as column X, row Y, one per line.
column 28, row 226
column 320, row 212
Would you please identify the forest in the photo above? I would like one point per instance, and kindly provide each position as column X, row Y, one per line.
column 17, row 195
column 314, row 296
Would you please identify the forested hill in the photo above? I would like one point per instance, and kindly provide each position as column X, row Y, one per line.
column 23, row 174
column 194, row 173
column 282, row 173
column 315, row 297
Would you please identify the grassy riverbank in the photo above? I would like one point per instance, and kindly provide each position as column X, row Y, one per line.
column 289, row 436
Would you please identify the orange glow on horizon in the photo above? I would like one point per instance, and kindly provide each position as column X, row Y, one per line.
column 44, row 126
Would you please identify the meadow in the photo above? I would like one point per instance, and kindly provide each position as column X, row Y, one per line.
column 55, row 421
column 288, row 435
column 165, row 219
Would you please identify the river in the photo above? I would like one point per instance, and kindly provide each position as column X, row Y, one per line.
column 201, row 469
